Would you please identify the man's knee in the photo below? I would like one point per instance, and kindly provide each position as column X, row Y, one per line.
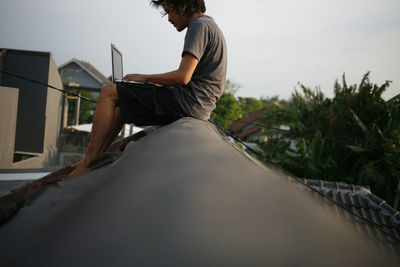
column 109, row 91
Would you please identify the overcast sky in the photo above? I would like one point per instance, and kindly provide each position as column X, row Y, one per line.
column 272, row 44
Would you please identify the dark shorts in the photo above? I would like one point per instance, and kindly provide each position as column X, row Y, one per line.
column 148, row 104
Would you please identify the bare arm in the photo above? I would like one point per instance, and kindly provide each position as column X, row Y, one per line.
column 181, row 76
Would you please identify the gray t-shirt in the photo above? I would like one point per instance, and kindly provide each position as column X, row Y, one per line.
column 206, row 42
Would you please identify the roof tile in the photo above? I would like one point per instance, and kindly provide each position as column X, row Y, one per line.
column 371, row 216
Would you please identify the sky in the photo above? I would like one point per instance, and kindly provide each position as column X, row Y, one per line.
column 273, row 45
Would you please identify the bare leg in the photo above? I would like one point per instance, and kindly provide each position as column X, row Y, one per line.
column 106, row 122
column 117, row 126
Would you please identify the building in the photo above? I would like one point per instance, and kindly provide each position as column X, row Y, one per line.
column 183, row 195
column 246, row 128
column 32, row 114
column 252, row 134
column 82, row 74
column 81, row 77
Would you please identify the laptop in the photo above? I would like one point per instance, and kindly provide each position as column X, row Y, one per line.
column 117, row 70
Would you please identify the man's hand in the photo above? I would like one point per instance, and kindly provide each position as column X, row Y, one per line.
column 181, row 76
column 135, row 77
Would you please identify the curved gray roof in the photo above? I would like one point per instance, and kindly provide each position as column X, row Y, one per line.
column 182, row 196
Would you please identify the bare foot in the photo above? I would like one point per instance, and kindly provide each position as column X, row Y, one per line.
column 79, row 169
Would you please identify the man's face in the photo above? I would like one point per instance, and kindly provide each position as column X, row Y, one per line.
column 176, row 17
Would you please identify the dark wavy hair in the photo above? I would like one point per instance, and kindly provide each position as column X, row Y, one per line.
column 192, row 6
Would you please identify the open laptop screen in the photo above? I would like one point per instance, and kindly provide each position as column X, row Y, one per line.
column 117, row 73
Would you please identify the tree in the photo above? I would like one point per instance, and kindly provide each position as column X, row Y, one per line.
column 232, row 87
column 249, row 105
column 227, row 111
column 365, row 127
column 227, row 108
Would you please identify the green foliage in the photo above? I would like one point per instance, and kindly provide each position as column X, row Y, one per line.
column 363, row 123
column 276, row 117
column 358, row 116
column 249, row 105
column 227, row 110
column 232, row 87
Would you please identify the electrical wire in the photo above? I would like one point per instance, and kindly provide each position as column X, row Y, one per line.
column 265, row 160
column 329, row 139
column 47, row 85
column 249, row 148
column 333, row 140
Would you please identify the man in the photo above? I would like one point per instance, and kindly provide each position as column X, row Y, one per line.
column 191, row 90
